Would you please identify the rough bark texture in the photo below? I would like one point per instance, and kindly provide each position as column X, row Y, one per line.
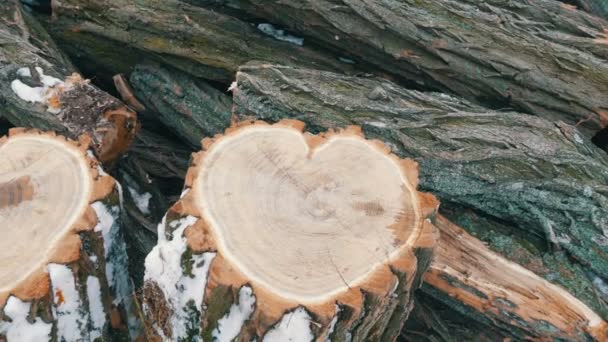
column 467, row 276
column 119, row 33
column 86, row 297
column 192, row 109
column 76, row 107
column 541, row 181
column 467, row 48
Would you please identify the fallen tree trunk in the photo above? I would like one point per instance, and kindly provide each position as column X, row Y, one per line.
column 467, row 48
column 62, row 277
column 117, row 34
column 38, row 89
column 258, row 248
column 542, row 181
column 467, row 276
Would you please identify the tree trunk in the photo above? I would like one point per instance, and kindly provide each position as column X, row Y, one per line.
column 534, row 181
column 117, row 34
column 63, row 255
column 257, row 248
column 466, row 48
column 477, row 282
column 38, row 89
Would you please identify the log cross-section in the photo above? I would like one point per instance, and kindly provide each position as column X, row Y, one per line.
column 290, row 235
column 62, row 252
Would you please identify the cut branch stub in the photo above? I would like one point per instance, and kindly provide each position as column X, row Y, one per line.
column 58, row 217
column 325, row 231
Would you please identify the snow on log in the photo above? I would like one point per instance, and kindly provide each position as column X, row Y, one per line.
column 467, row 276
column 38, row 88
column 63, row 271
column 282, row 235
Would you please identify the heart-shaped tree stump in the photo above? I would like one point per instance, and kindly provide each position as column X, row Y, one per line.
column 281, row 234
column 62, row 275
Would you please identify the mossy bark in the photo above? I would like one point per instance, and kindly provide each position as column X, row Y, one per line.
column 540, row 180
column 465, row 48
column 201, row 42
column 191, row 108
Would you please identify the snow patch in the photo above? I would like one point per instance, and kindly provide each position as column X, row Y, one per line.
column 233, row 86
column 20, row 329
column 36, row 94
column 71, row 317
column 279, row 34
column 332, row 324
column 293, row 327
column 98, row 314
column 377, row 124
column 164, row 268
column 230, row 325
column 142, row 201
column 601, row 286
column 117, row 262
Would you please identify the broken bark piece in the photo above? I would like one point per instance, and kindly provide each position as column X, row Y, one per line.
column 467, row 48
column 278, row 235
column 62, row 275
column 201, row 42
column 38, row 89
column 543, row 180
column 191, row 108
column 467, row 276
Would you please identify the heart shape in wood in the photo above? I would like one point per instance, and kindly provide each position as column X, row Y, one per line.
column 303, row 215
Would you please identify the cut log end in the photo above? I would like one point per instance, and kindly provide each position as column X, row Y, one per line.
column 47, row 184
column 325, row 228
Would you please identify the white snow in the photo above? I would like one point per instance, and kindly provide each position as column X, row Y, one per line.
column 71, row 318
column 233, row 86
column 601, row 285
column 117, row 262
column 184, row 193
column 164, row 267
column 98, row 314
column 377, row 124
column 332, row 324
column 35, row 94
column 142, row 201
column 293, row 327
column 279, row 34
column 230, row 325
column 20, row 329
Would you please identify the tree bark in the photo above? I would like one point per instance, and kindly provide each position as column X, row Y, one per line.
column 467, row 276
column 80, row 291
column 597, row 7
column 191, row 108
column 536, row 182
column 120, row 33
column 217, row 298
column 38, row 89
column 466, row 48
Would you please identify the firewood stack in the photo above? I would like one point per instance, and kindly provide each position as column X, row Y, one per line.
column 312, row 170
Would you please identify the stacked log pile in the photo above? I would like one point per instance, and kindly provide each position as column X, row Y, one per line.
column 304, row 170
